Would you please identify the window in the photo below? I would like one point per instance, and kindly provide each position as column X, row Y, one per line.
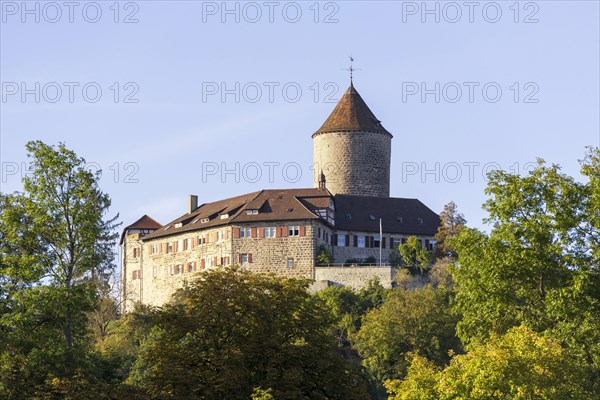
column 201, row 239
column 167, row 227
column 185, row 244
column 169, row 247
column 178, row 225
column 245, row 232
column 348, row 216
column 293, row 230
column 154, row 271
column 244, row 259
column 372, row 217
column 290, row 263
column 191, row 267
column 341, row 240
column 400, row 219
column 251, row 212
column 176, row 269
column 136, row 252
column 221, row 235
column 420, row 220
column 224, row 216
column 135, row 275
column 204, row 220
column 376, row 241
column 270, row 232
column 154, row 249
column 361, row 241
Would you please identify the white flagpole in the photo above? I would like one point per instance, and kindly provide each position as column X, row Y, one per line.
column 380, row 240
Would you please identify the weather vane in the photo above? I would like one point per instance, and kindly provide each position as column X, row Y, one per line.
column 351, row 69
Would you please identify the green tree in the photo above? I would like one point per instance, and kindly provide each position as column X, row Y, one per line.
column 232, row 331
column 408, row 322
column 538, row 266
column 451, row 223
column 520, row 365
column 414, row 256
column 56, row 246
column 324, row 255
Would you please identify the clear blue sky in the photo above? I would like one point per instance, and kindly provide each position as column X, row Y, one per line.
column 178, row 51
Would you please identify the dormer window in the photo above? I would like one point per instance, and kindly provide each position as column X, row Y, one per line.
column 251, row 212
column 348, row 216
column 372, row 217
column 420, row 220
column 290, row 209
column 204, row 220
column 196, row 220
column 167, row 227
column 400, row 220
column 224, row 216
column 178, row 225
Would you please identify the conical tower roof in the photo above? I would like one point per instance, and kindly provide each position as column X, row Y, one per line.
column 351, row 114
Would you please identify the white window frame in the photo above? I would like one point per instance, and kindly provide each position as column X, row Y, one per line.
column 341, row 240
column 360, row 241
column 245, row 233
column 293, row 230
column 290, row 263
column 244, row 258
column 269, row 232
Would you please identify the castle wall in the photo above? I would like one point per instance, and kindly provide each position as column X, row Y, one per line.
column 355, row 163
column 165, row 264
column 353, row 277
column 341, row 254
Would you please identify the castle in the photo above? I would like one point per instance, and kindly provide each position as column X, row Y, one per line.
column 282, row 231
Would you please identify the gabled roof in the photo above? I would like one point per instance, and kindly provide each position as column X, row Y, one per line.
column 145, row 223
column 351, row 114
column 398, row 215
column 272, row 205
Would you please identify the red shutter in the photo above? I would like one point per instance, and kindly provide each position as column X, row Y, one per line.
column 335, row 240
column 383, row 242
column 226, row 234
column 249, row 257
column 284, row 231
column 261, row 232
column 347, row 241
column 253, row 232
column 240, row 259
column 236, row 233
column 194, row 266
column 202, row 263
column 302, row 230
column 215, row 261
column 355, row 241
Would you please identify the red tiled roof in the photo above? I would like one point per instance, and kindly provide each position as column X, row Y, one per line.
column 272, row 205
column 145, row 222
column 351, row 114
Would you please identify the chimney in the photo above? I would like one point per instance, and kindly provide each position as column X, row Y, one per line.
column 192, row 203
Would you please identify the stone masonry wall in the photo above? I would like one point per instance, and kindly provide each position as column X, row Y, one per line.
column 355, row 277
column 353, row 162
column 161, row 273
column 343, row 253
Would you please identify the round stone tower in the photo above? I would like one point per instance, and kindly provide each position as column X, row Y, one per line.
column 352, row 150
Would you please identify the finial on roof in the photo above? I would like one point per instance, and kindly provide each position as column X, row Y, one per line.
column 351, row 69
